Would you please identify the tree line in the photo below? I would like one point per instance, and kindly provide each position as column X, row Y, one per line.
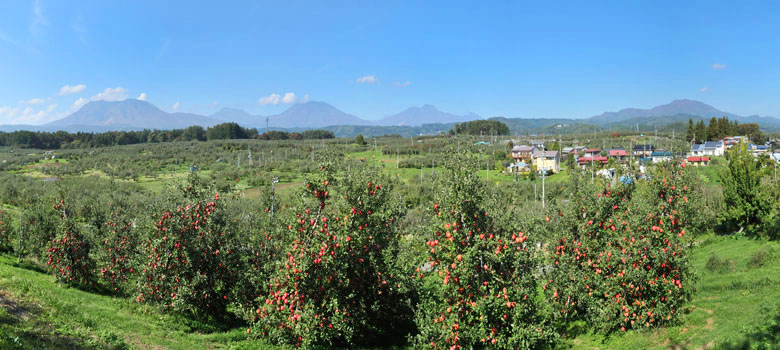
column 224, row 131
column 718, row 128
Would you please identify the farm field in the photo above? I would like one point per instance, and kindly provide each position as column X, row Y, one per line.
column 334, row 243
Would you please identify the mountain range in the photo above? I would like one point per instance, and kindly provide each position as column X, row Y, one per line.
column 131, row 114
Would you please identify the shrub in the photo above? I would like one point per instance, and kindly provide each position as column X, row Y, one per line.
column 479, row 289
column 7, row 232
column 621, row 261
column 333, row 285
column 69, row 252
column 188, row 262
column 762, row 257
column 747, row 205
column 718, row 264
column 119, row 247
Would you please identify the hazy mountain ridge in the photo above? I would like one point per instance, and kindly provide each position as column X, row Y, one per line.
column 101, row 116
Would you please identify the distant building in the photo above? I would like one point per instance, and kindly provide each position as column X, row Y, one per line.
column 661, row 156
column 641, row 151
column 523, row 153
column 538, row 144
column 586, row 161
column 697, row 150
column 592, row 152
column 714, row 148
column 731, row 141
column 619, row 154
column 698, row 160
column 546, row 160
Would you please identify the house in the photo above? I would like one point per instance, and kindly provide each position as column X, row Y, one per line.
column 697, row 150
column 731, row 141
column 698, row 161
column 641, row 151
column 519, row 167
column 567, row 150
column 546, row 160
column 619, row 154
column 592, row 152
column 538, row 144
column 759, row 149
column 523, row 152
column 585, row 162
column 714, row 148
column 661, row 156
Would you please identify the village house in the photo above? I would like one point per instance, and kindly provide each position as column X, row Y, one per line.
column 585, row 161
column 546, row 160
column 731, row 141
column 538, row 144
column 714, row 148
column 698, row 160
column 641, row 151
column 523, row 153
column 697, row 150
column 661, row 156
column 619, row 154
column 592, row 152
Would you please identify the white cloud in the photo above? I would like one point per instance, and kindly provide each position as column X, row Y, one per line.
column 704, row 89
column 109, row 94
column 368, row 79
column 402, row 83
column 275, row 99
column 67, row 89
column 272, row 99
column 718, row 66
column 289, row 98
column 142, row 96
column 34, row 101
column 176, row 106
column 80, row 102
column 51, row 108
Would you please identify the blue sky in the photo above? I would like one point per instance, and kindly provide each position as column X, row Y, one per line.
column 371, row 59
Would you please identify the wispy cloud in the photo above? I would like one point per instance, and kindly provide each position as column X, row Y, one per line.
column 34, row 101
column 38, row 20
column 176, row 106
column 718, row 66
column 79, row 28
column 367, row 79
column 704, row 89
column 275, row 99
column 68, row 89
column 402, row 83
column 142, row 96
column 111, row 94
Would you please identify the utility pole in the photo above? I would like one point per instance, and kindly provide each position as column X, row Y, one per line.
column 273, row 194
column 544, row 174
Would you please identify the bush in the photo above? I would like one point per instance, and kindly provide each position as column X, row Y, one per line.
column 622, row 262
column 479, row 289
column 718, row 264
column 188, row 260
column 7, row 232
column 118, row 248
column 69, row 251
column 762, row 257
column 334, row 285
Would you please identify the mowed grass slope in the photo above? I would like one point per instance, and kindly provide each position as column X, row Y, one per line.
column 36, row 313
column 737, row 304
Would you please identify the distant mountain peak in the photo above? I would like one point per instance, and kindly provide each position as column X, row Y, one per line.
column 676, row 107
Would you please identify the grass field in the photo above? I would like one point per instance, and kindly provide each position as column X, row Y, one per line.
column 737, row 303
